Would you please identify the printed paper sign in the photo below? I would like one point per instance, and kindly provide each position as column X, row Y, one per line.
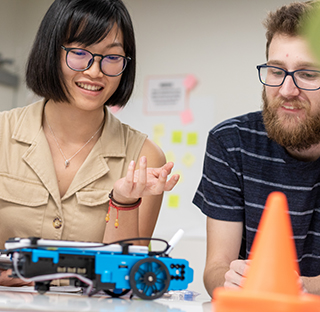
column 165, row 95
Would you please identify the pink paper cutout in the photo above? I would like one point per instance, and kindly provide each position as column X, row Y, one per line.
column 186, row 116
column 190, row 82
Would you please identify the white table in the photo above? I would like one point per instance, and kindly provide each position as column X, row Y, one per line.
column 26, row 299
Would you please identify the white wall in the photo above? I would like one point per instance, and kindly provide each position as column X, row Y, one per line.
column 218, row 41
column 19, row 21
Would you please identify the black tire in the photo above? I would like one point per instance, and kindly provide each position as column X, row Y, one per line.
column 116, row 293
column 42, row 287
column 149, row 278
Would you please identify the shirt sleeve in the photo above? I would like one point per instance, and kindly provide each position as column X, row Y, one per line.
column 220, row 192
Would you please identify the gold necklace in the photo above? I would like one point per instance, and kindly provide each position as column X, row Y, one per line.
column 67, row 160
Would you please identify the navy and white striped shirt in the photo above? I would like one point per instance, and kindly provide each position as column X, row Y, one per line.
column 242, row 167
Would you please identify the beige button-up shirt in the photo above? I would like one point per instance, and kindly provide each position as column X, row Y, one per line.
column 30, row 202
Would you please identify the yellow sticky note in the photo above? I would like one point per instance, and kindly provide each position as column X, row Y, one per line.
column 173, row 201
column 192, row 138
column 176, row 136
column 158, row 130
column 170, row 156
column 188, row 159
column 157, row 140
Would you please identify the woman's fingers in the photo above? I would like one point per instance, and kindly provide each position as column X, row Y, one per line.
column 6, row 280
column 171, row 183
column 142, row 177
column 123, row 187
column 144, row 181
column 130, row 174
column 160, row 184
column 168, row 166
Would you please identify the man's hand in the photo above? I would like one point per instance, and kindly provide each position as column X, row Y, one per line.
column 6, row 280
column 234, row 278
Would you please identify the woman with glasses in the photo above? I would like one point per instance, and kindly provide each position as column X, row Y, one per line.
column 69, row 169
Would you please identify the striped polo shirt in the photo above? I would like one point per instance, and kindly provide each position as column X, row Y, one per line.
column 242, row 166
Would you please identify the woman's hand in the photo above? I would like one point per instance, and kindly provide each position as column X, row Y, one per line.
column 6, row 280
column 144, row 182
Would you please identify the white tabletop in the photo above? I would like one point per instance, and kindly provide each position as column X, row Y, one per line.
column 26, row 299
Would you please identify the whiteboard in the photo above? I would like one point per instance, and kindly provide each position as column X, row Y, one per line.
column 177, row 210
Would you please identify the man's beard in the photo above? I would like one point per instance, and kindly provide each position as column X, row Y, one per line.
column 289, row 131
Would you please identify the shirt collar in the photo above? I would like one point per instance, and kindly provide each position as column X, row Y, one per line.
column 112, row 139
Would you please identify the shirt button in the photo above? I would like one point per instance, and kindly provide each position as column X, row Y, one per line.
column 57, row 223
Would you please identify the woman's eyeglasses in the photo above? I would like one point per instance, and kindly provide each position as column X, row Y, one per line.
column 111, row 65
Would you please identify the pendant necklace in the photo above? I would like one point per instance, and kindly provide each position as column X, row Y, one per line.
column 67, row 160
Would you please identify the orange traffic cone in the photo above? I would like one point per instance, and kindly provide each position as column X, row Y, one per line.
column 272, row 283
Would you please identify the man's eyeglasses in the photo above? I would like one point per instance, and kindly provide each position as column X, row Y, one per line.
column 111, row 65
column 305, row 79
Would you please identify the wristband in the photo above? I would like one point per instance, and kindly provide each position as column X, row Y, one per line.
column 123, row 205
column 112, row 203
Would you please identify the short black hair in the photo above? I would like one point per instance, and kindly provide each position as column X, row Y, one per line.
column 86, row 22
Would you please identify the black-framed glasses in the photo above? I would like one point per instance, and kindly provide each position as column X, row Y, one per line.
column 273, row 76
column 111, row 65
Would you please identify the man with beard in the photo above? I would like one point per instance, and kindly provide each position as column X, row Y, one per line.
column 278, row 149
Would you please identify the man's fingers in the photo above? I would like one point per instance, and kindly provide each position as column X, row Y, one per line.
column 232, row 279
column 236, row 275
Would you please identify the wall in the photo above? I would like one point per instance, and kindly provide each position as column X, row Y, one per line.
column 7, row 48
column 19, row 21
column 219, row 42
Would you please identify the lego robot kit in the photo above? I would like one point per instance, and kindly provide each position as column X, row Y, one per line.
column 114, row 268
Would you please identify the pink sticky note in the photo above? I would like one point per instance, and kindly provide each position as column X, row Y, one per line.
column 190, row 82
column 186, row 116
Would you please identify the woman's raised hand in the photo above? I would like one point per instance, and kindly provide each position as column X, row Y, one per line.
column 144, row 182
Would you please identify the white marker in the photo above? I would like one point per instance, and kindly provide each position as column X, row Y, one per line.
column 174, row 240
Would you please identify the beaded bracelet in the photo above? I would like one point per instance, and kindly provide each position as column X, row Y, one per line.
column 127, row 207
column 123, row 205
